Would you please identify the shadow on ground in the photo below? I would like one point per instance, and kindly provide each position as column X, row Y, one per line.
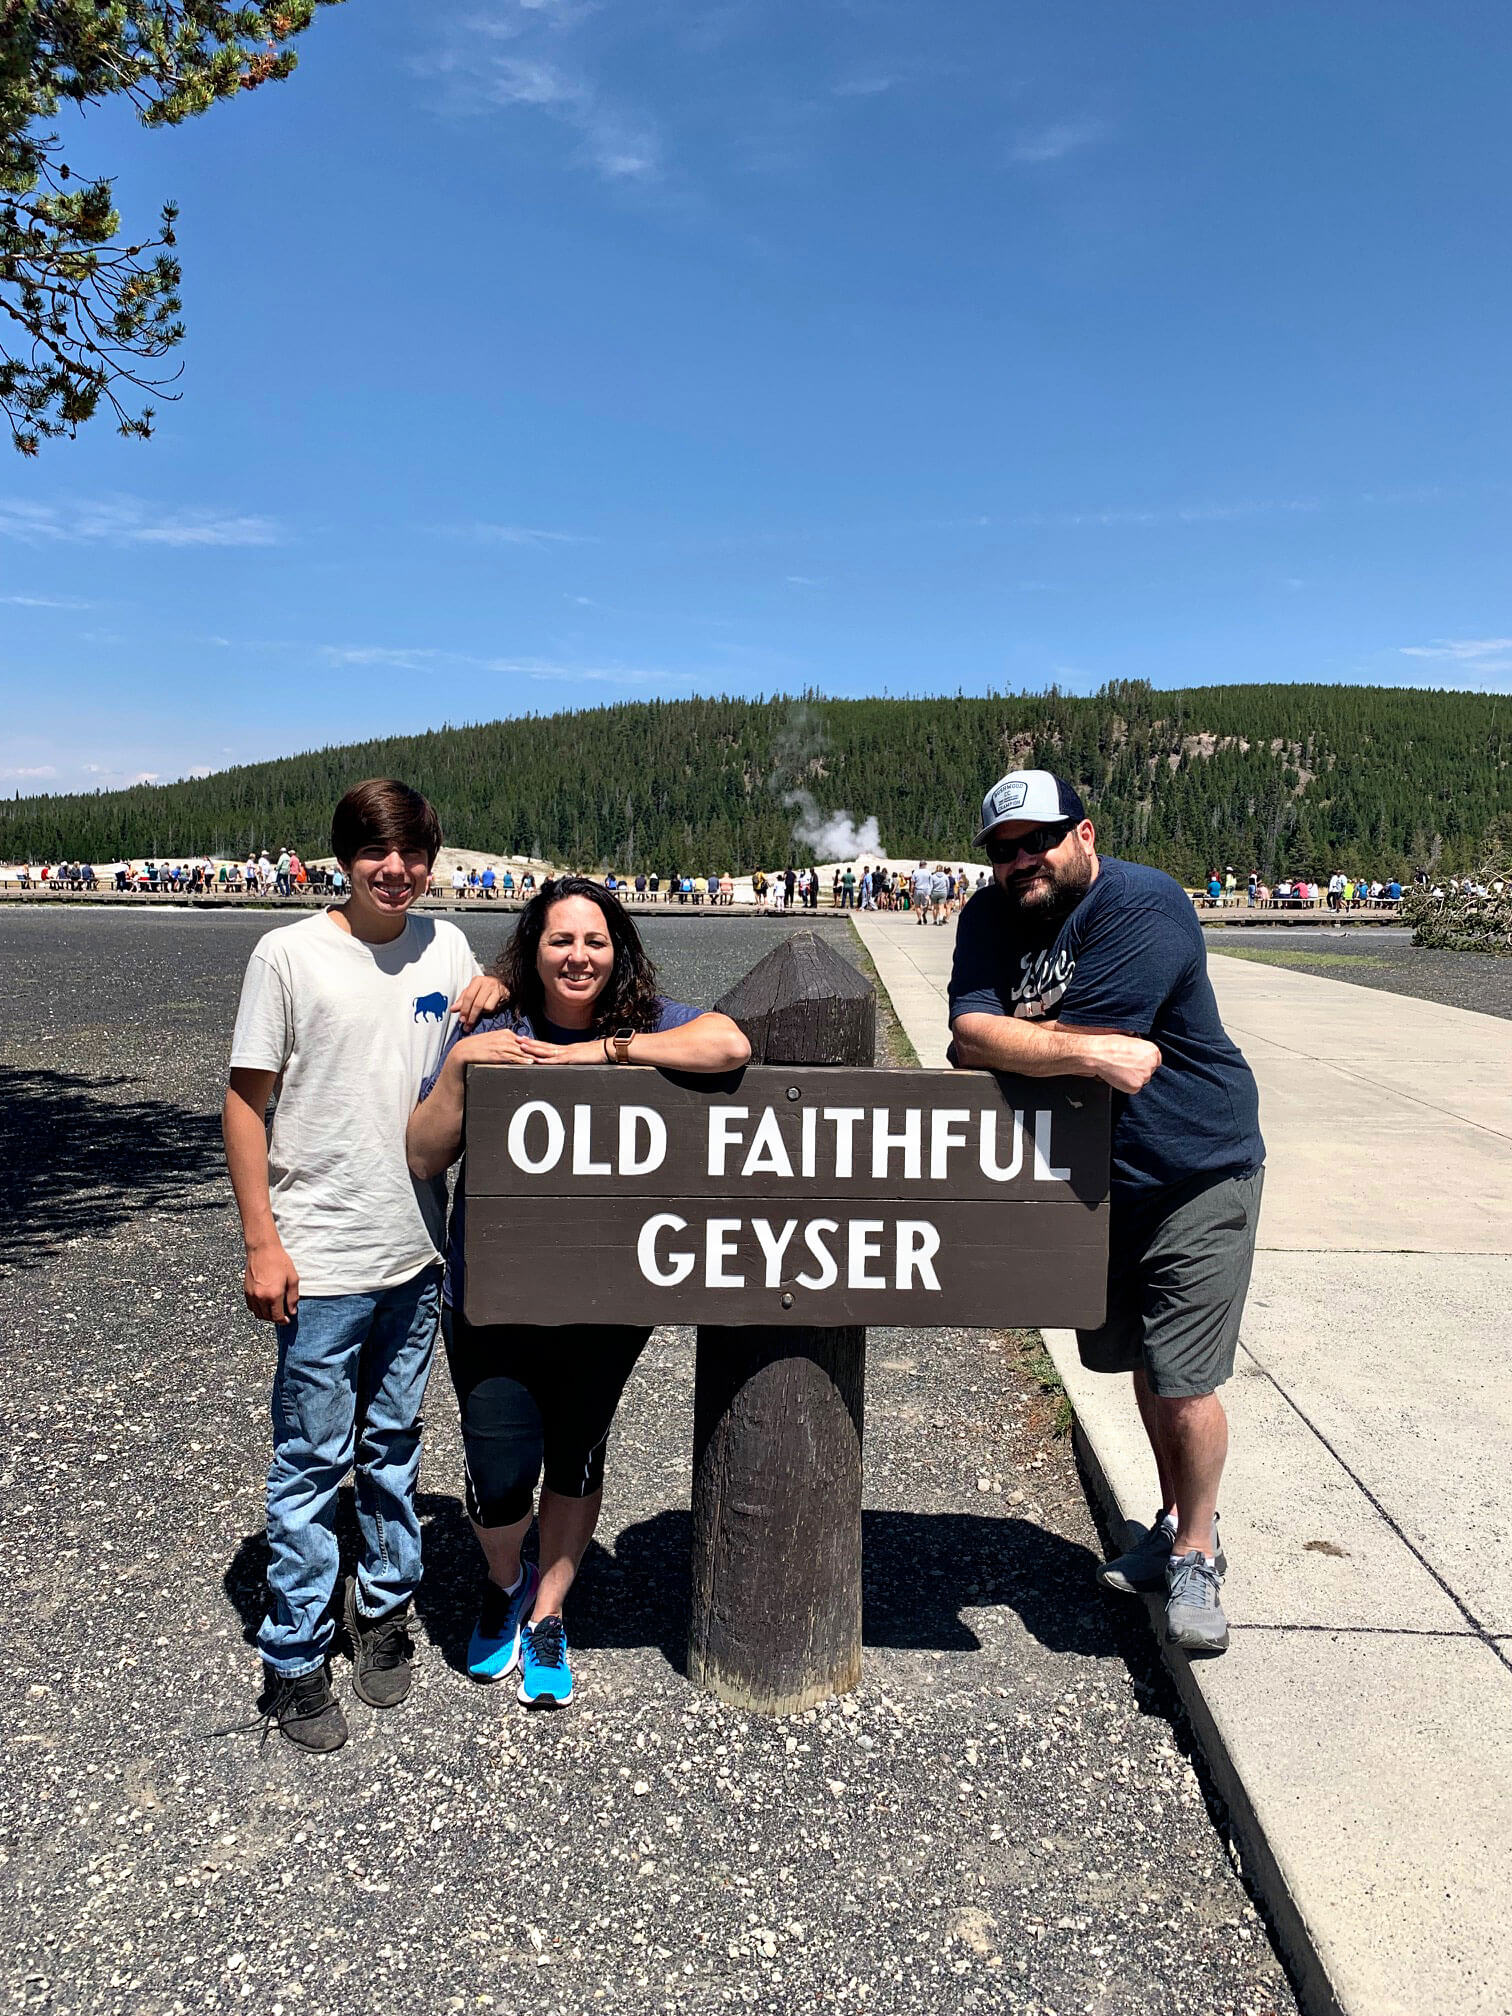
column 921, row 1570
column 76, row 1157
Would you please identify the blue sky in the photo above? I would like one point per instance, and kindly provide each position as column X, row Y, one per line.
column 544, row 353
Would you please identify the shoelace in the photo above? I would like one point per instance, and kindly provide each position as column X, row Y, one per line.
column 1194, row 1581
column 493, row 1611
column 269, row 1718
column 548, row 1642
column 387, row 1643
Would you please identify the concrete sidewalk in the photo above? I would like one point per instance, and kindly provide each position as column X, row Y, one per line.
column 1361, row 1725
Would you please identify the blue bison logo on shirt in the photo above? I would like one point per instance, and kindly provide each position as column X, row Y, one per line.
column 430, row 1007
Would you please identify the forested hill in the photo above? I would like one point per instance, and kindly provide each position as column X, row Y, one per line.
column 1287, row 779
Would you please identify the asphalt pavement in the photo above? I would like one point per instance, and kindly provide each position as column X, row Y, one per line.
column 1007, row 1816
column 1385, row 958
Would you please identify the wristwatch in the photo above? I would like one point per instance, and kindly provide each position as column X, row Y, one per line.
column 622, row 1039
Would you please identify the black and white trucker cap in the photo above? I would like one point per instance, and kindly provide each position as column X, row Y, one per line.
column 1033, row 795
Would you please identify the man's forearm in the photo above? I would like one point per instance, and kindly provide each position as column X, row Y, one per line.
column 1033, row 1049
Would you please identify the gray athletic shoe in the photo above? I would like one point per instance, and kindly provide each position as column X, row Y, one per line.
column 1142, row 1567
column 1194, row 1615
column 1141, row 1570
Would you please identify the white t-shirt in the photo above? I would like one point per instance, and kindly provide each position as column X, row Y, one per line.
column 353, row 1029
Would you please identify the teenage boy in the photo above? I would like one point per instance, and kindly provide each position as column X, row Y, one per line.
column 346, row 1013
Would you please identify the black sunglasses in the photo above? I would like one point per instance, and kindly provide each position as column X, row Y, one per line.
column 1038, row 840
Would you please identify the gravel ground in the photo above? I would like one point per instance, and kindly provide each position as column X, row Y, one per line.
column 1005, row 1817
column 1384, row 958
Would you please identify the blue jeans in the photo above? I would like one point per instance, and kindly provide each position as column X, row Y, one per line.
column 351, row 1376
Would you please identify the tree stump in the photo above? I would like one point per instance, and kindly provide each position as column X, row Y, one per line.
column 777, row 1416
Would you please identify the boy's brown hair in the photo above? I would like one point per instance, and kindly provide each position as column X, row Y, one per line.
column 381, row 812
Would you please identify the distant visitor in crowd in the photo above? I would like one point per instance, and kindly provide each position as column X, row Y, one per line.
column 580, row 990
column 1080, row 964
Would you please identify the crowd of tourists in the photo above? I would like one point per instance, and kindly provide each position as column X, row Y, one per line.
column 1340, row 893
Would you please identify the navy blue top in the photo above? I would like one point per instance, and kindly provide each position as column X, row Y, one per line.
column 1131, row 956
column 670, row 1015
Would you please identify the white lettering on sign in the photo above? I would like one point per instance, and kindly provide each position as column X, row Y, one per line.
column 737, row 1151
column 917, row 1244
column 773, row 1246
column 863, row 1242
column 632, row 1117
column 991, row 1167
column 667, row 1262
column 681, row 1264
column 583, row 1163
column 845, row 1120
column 724, row 1134
column 947, row 1130
column 719, row 1246
column 1044, row 1169
column 556, row 1137
column 910, row 1141
column 768, row 1155
column 813, row 1238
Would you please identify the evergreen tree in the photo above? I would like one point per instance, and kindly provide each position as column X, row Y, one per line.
column 87, row 317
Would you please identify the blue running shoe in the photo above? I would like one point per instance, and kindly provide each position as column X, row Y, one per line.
column 545, row 1676
column 494, row 1648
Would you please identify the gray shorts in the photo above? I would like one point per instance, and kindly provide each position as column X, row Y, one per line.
column 1178, row 1273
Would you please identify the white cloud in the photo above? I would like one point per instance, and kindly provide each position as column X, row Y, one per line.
column 44, row 602
column 31, row 770
column 520, row 56
column 405, row 657
column 1054, row 142
column 550, row 670
column 1164, row 514
column 200, row 770
column 129, row 521
column 1465, row 651
column 862, row 84
column 490, row 534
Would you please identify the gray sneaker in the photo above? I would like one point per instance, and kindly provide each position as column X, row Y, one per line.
column 1194, row 1615
column 1142, row 1567
column 1141, row 1570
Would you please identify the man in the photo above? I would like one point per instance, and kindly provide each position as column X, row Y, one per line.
column 1081, row 965
column 346, row 1012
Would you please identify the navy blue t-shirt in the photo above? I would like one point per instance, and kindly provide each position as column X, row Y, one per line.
column 672, row 1015
column 1130, row 957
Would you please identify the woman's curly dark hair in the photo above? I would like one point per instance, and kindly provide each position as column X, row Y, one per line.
column 629, row 1000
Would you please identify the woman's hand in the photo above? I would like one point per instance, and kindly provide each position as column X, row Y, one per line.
column 495, row 1046
column 537, row 1052
column 483, row 995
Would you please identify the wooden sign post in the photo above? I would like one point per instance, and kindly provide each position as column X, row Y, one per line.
column 782, row 1208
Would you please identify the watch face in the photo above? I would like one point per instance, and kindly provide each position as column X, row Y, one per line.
column 623, row 1035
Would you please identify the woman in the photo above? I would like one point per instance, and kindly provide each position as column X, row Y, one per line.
column 575, row 976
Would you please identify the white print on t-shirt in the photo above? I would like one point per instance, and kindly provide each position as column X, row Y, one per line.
column 1043, row 979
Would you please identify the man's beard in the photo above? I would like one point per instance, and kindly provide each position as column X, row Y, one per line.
column 1045, row 896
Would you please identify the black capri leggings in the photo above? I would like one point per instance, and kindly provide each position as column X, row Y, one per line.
column 532, row 1397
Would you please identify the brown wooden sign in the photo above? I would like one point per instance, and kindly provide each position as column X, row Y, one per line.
column 785, row 1195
